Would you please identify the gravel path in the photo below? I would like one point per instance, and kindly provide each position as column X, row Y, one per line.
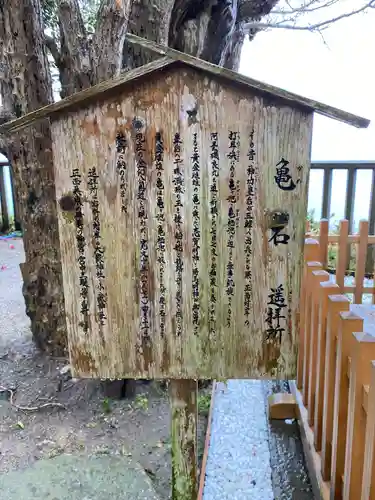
column 238, row 465
column 250, row 458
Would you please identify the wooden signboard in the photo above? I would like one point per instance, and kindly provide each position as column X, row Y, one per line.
column 182, row 209
column 182, row 193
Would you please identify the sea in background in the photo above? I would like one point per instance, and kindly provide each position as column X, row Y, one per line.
column 361, row 205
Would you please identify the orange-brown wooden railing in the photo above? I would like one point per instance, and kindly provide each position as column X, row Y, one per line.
column 359, row 245
column 335, row 387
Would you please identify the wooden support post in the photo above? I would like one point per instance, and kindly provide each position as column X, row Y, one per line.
column 368, row 483
column 311, row 253
column 311, row 266
column 336, row 304
column 317, row 278
column 359, row 375
column 326, row 288
column 348, row 324
column 183, row 396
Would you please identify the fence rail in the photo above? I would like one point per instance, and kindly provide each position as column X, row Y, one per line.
column 335, row 388
column 345, row 254
column 352, row 168
column 328, row 169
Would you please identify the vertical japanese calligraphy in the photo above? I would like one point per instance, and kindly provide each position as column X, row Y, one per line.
column 101, row 299
column 196, row 234
column 160, row 217
column 121, row 145
column 279, row 220
column 283, row 178
column 178, row 183
column 276, row 304
column 142, row 216
column 81, row 245
column 213, row 243
column 233, row 155
column 250, row 182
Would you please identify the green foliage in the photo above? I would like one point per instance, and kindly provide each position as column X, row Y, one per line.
column 106, row 405
column 204, row 402
column 141, row 402
column 89, row 11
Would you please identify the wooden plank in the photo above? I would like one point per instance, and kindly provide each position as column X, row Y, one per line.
column 360, row 372
column 148, row 330
column 183, row 397
column 3, row 200
column 342, row 253
column 202, row 477
column 348, row 324
column 281, row 406
column 85, row 97
column 174, row 55
column 311, row 267
column 370, row 261
column 318, row 277
column 323, row 240
column 368, row 483
column 360, row 265
column 352, row 238
column 336, row 304
column 311, row 254
column 313, row 105
column 326, row 288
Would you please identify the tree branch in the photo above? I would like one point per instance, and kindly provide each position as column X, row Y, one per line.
column 109, row 37
column 75, row 67
column 306, row 8
column 311, row 27
column 255, row 9
column 54, row 49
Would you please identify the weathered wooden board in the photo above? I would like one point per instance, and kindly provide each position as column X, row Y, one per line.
column 170, row 267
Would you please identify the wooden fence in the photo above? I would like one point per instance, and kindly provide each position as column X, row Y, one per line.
column 345, row 254
column 5, row 218
column 335, row 387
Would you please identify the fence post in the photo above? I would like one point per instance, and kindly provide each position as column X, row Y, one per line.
column 311, row 252
column 342, row 254
column 317, row 278
column 311, row 266
column 360, row 265
column 16, row 206
column 362, row 354
column 3, row 200
column 323, row 242
column 368, row 482
column 336, row 304
column 325, row 289
column 348, row 324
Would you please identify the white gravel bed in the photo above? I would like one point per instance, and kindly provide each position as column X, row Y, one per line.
column 238, row 465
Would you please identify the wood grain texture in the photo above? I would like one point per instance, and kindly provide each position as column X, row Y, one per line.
column 171, row 56
column 164, row 317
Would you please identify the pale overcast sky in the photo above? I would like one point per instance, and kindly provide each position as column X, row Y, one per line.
column 338, row 71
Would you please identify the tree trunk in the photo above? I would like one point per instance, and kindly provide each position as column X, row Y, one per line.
column 210, row 29
column 25, row 86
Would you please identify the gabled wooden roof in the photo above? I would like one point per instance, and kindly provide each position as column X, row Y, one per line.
column 171, row 56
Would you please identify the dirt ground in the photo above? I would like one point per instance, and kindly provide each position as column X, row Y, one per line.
column 89, row 422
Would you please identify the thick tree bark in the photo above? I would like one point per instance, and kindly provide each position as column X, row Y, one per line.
column 25, row 86
column 210, row 29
